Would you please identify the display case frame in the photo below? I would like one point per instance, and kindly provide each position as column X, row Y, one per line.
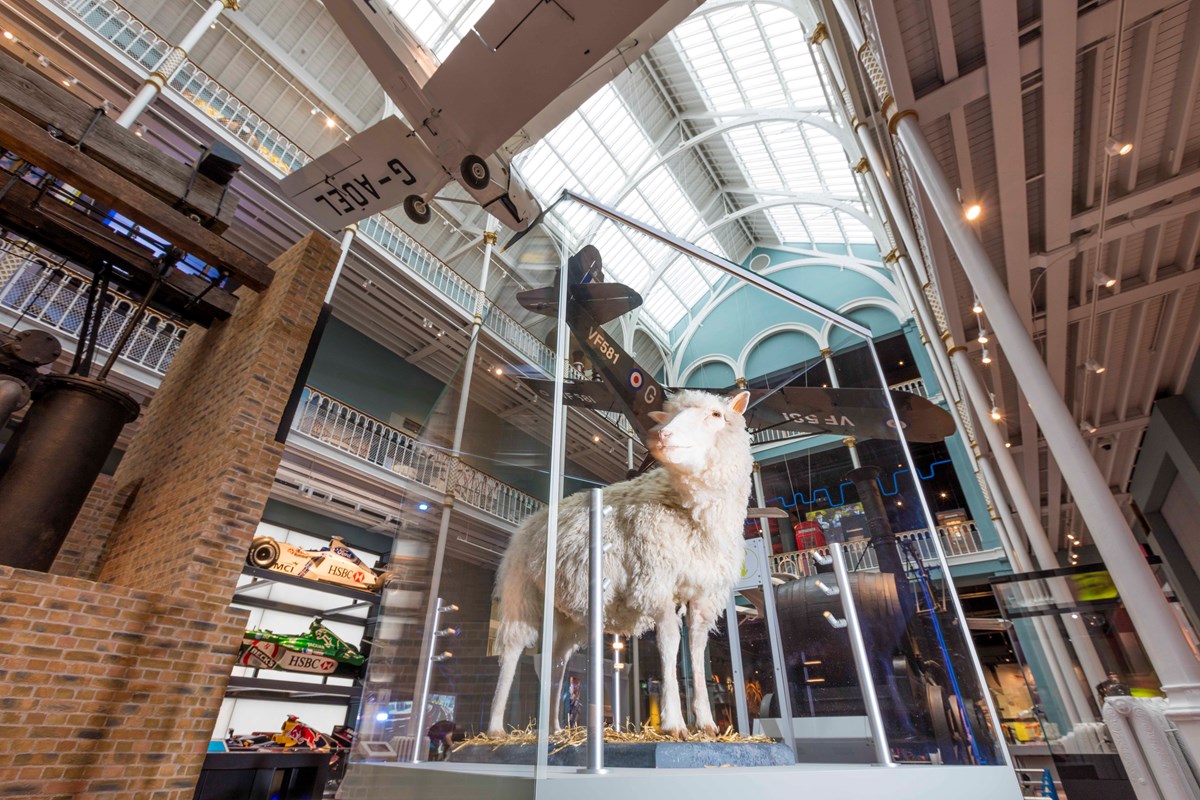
column 370, row 778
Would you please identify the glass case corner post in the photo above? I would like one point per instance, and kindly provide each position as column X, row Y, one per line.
column 558, row 465
column 595, row 661
column 858, row 648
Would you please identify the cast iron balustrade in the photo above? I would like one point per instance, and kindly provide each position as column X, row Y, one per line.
column 959, row 539
column 56, row 297
column 360, row 435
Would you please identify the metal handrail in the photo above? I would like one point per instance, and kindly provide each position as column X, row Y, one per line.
column 364, row 437
column 57, row 298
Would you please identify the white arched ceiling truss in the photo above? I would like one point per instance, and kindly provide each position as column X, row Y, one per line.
column 715, row 358
column 890, row 302
column 685, row 139
column 819, row 337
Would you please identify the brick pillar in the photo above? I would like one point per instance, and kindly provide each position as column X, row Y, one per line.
column 111, row 689
column 202, row 464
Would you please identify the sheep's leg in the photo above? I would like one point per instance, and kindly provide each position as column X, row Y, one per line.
column 699, row 623
column 566, row 641
column 508, row 667
column 667, row 633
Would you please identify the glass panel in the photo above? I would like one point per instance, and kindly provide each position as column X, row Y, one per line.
column 858, row 661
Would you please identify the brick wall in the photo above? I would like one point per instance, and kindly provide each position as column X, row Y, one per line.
column 107, row 690
column 201, row 467
column 111, row 689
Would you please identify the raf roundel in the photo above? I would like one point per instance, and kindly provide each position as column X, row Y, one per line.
column 636, row 379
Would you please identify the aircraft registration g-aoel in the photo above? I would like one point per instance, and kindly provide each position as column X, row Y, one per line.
column 623, row 386
column 522, row 68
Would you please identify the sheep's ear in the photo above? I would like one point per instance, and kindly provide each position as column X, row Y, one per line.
column 658, row 416
column 740, row 402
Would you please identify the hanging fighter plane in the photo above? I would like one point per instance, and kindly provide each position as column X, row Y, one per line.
column 621, row 385
column 522, row 68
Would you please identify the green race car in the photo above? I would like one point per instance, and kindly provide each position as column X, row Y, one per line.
column 318, row 651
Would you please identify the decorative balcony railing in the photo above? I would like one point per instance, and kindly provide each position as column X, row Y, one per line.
column 126, row 33
column 961, row 539
column 360, row 435
column 57, row 297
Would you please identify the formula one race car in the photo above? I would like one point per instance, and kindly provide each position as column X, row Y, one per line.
column 318, row 651
column 333, row 564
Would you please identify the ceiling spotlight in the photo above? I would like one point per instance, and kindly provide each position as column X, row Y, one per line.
column 499, row 371
column 596, row 438
column 422, row 506
column 983, row 337
column 66, row 82
column 1087, row 427
column 330, row 122
column 1115, row 147
column 139, row 129
column 45, row 62
column 8, row 35
column 1092, row 365
column 972, row 212
column 996, row 415
column 977, row 308
column 1071, row 536
column 313, row 112
column 1104, row 279
column 987, row 358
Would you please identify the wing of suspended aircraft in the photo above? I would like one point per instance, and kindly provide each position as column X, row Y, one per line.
column 374, row 171
column 861, row 413
column 524, row 66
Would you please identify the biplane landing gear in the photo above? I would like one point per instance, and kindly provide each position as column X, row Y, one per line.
column 475, row 172
column 417, row 209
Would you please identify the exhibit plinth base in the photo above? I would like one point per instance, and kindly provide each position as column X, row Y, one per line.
column 457, row 781
column 660, row 755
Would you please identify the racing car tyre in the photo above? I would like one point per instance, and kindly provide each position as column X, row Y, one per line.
column 475, row 172
column 264, row 552
column 417, row 209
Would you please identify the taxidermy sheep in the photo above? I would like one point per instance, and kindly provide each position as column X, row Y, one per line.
column 676, row 545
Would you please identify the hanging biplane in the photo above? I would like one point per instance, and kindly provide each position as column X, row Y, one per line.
column 621, row 385
column 521, row 69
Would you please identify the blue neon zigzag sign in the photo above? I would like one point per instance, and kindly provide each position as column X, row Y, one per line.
column 799, row 498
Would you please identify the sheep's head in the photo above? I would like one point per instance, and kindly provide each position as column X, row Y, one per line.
column 696, row 428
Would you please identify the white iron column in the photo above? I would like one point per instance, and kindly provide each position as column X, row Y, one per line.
column 165, row 68
column 850, row 442
column 348, row 234
column 1164, row 641
column 439, row 554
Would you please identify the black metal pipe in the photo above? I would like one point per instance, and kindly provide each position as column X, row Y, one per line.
column 883, row 539
column 51, row 462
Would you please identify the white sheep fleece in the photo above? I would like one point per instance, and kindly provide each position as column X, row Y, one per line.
column 676, row 535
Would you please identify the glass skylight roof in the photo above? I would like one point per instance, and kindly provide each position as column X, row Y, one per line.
column 731, row 61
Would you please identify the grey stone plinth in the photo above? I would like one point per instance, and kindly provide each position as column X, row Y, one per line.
column 650, row 755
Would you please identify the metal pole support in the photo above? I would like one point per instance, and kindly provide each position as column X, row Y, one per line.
column 595, row 722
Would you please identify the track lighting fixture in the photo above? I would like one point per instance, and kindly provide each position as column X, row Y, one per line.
column 996, row 415
column 987, row 358
column 983, row 337
column 1087, row 427
column 1115, row 147
column 972, row 212
column 1104, row 279
column 977, row 308
column 330, row 122
column 8, row 35
column 1092, row 365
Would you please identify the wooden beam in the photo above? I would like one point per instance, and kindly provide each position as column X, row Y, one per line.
column 1187, row 79
column 34, row 145
column 44, row 103
column 86, row 241
column 1189, row 242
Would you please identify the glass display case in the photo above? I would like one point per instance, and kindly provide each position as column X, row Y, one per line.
column 1076, row 646
column 815, row 668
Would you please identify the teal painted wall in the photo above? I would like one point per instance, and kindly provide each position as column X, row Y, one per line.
column 364, row 374
column 714, row 375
